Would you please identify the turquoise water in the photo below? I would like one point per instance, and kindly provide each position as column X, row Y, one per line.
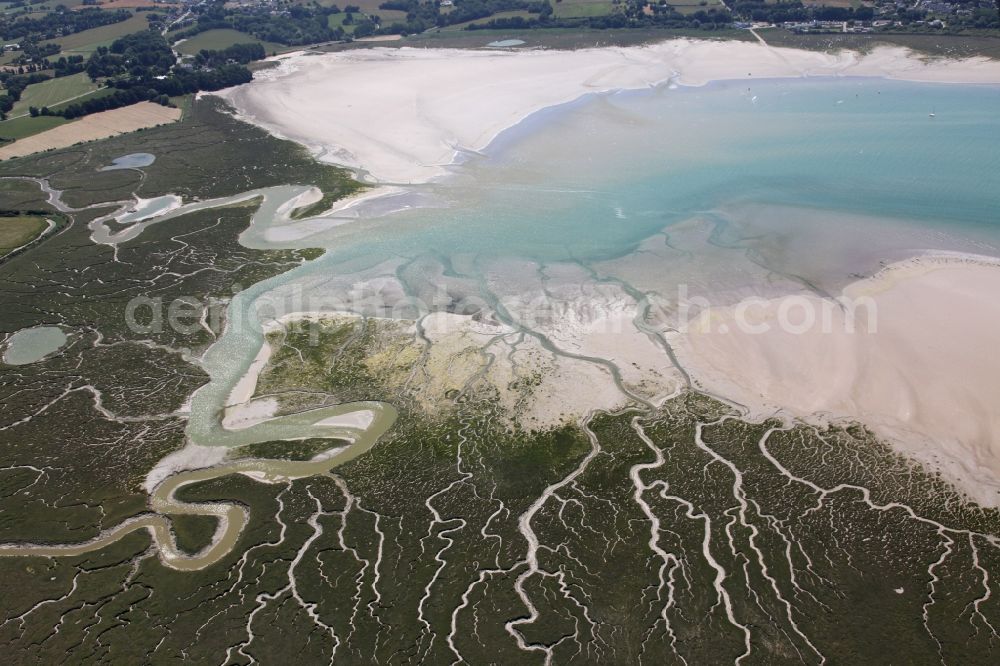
column 820, row 179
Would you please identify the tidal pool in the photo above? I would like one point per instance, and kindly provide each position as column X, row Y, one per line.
column 130, row 161
column 33, row 344
column 503, row 43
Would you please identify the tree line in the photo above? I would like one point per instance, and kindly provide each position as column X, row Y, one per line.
column 239, row 53
column 421, row 16
column 425, row 14
column 298, row 25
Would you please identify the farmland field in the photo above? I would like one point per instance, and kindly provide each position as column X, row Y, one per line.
column 370, row 8
column 94, row 94
column 87, row 41
column 487, row 19
column 94, row 126
column 582, row 8
column 367, row 7
column 221, row 39
column 52, row 92
column 19, row 128
column 691, row 6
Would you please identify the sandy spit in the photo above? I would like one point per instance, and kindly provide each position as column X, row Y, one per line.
column 402, row 114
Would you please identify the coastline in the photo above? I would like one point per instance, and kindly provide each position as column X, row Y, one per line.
column 433, row 104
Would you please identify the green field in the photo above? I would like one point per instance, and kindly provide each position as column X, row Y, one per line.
column 16, row 231
column 692, row 6
column 87, row 41
column 18, row 128
column 368, row 7
column 484, row 21
column 94, row 94
column 52, row 92
column 215, row 40
column 582, row 8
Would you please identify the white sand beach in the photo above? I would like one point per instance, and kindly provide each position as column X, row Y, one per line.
column 401, row 114
column 927, row 377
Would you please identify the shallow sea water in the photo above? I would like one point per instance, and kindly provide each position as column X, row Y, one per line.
column 819, row 179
